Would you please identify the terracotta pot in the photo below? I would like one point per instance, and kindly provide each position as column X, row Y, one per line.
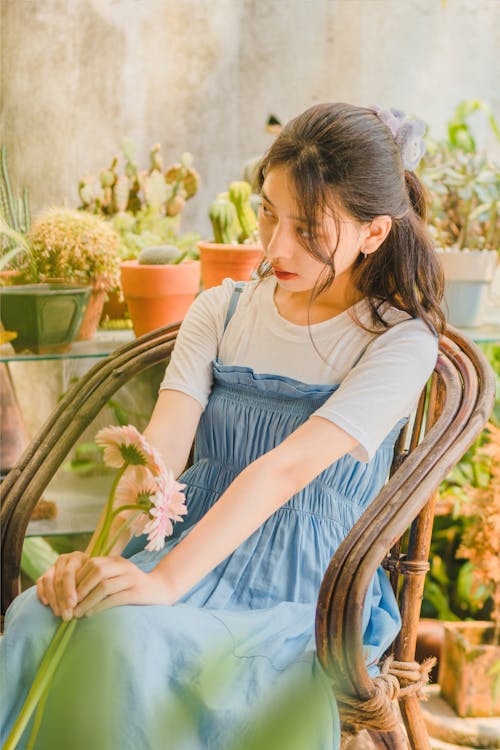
column 469, row 668
column 114, row 308
column 430, row 638
column 10, row 277
column 92, row 316
column 159, row 295
column 219, row 262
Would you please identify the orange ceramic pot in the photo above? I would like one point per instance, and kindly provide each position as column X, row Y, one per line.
column 219, row 262
column 92, row 316
column 159, row 295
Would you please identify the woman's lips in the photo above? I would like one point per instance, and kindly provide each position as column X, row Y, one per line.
column 283, row 275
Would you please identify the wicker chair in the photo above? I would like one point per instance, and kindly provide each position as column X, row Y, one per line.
column 452, row 412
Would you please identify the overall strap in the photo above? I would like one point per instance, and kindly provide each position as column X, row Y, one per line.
column 238, row 288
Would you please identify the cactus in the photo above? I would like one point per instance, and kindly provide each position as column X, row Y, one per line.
column 15, row 211
column 239, row 195
column 155, row 190
column 155, row 158
column 232, row 215
column 224, row 220
column 87, row 191
column 121, row 193
column 155, row 193
column 75, row 246
column 161, row 255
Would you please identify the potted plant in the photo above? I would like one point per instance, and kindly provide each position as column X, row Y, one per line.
column 78, row 248
column 235, row 251
column 144, row 206
column 44, row 318
column 464, row 189
column 469, row 670
column 159, row 286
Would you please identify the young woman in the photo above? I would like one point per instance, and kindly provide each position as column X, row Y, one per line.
column 295, row 387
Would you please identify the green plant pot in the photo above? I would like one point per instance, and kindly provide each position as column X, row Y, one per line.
column 46, row 317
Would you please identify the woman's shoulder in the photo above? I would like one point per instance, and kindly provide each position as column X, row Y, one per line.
column 397, row 322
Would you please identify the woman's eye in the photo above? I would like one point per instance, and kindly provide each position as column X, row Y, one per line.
column 305, row 234
column 264, row 210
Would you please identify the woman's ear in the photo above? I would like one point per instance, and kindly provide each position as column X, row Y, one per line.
column 376, row 232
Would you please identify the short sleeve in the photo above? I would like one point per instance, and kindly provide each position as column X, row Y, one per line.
column 384, row 386
column 190, row 366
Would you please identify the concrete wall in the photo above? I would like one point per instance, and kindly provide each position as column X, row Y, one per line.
column 203, row 75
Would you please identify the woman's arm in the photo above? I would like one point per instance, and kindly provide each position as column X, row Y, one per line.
column 255, row 494
column 263, row 487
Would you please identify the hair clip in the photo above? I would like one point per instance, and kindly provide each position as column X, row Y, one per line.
column 408, row 133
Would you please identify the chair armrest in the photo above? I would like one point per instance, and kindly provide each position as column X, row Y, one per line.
column 466, row 391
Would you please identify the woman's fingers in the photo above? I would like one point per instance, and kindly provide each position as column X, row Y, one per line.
column 46, row 592
column 64, row 583
column 95, row 570
column 103, row 592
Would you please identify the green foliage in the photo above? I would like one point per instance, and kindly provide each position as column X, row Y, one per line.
column 148, row 228
column 463, row 185
column 15, row 219
column 453, row 589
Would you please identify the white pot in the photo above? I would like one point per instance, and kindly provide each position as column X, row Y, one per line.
column 468, row 278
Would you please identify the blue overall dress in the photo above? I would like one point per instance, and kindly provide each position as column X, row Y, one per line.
column 218, row 667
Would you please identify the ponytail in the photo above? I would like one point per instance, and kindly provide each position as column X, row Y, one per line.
column 405, row 269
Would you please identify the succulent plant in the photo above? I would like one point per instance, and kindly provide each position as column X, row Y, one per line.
column 233, row 216
column 161, row 255
column 74, row 246
column 463, row 186
column 15, row 218
column 165, row 191
column 225, row 225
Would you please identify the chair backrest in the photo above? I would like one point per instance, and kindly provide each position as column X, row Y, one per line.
column 451, row 414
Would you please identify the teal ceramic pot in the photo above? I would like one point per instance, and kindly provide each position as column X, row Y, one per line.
column 46, row 317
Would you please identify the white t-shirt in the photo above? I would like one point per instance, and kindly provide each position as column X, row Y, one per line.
column 374, row 392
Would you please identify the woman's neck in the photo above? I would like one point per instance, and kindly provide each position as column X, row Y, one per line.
column 297, row 307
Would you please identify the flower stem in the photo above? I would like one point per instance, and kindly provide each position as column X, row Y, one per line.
column 38, row 719
column 43, row 677
column 101, row 539
column 122, row 528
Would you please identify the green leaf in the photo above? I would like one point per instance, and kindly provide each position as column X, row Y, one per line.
column 37, row 557
column 119, row 412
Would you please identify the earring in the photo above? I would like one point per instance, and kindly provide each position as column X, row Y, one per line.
column 364, row 254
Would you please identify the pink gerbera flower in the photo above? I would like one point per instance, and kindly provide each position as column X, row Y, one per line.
column 169, row 505
column 125, row 445
column 137, row 491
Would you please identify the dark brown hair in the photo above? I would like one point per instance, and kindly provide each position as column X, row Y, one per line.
column 342, row 156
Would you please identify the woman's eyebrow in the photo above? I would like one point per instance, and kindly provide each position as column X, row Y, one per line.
column 302, row 219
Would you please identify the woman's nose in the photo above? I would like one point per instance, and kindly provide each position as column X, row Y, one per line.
column 280, row 243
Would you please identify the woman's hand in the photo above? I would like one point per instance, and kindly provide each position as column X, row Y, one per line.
column 57, row 587
column 105, row 582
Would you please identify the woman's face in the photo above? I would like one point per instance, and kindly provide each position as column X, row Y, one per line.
column 284, row 232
